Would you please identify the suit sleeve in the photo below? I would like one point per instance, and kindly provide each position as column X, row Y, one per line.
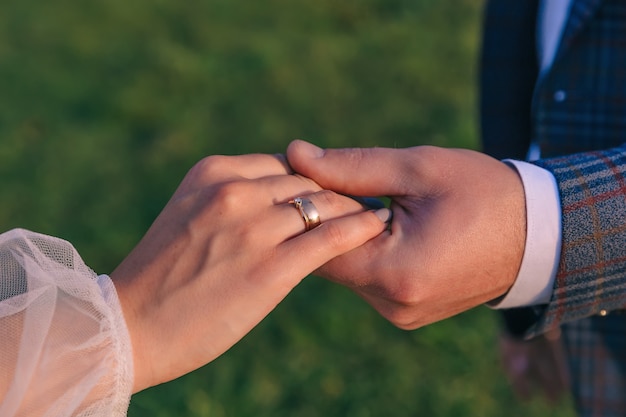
column 592, row 269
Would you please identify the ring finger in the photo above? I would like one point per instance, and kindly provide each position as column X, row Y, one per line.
column 291, row 220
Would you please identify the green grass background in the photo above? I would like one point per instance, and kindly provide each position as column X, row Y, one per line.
column 105, row 104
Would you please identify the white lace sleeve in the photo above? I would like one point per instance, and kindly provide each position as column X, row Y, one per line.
column 64, row 345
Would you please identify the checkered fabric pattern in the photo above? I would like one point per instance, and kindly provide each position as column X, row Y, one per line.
column 592, row 271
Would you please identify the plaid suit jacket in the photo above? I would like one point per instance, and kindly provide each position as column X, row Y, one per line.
column 577, row 114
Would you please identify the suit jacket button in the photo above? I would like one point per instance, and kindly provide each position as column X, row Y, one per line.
column 560, row 96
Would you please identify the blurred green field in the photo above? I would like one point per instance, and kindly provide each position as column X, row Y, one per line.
column 104, row 105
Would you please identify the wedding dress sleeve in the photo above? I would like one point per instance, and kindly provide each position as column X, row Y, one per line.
column 64, row 346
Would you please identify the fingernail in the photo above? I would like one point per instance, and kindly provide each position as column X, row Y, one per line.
column 310, row 150
column 384, row 215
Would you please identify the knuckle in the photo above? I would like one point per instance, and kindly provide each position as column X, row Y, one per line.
column 427, row 151
column 403, row 304
column 402, row 318
column 431, row 164
column 405, row 294
column 354, row 159
column 231, row 196
column 412, row 325
column 327, row 198
column 426, row 156
column 360, row 158
column 434, row 161
column 212, row 166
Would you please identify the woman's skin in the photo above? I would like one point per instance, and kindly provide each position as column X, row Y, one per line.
column 225, row 250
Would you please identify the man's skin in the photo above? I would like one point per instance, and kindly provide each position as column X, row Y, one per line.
column 458, row 231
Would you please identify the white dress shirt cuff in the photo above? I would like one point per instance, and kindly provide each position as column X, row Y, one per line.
column 535, row 279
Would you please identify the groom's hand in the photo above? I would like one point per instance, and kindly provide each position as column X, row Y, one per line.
column 457, row 235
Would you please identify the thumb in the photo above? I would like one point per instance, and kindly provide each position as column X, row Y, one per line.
column 359, row 171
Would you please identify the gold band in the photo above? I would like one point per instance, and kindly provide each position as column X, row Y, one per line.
column 308, row 212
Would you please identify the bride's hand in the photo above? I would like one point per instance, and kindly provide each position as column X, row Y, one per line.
column 225, row 250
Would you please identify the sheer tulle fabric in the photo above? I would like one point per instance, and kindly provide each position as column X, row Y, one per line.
column 64, row 345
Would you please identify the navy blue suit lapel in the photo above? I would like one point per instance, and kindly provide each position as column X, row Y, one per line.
column 580, row 13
